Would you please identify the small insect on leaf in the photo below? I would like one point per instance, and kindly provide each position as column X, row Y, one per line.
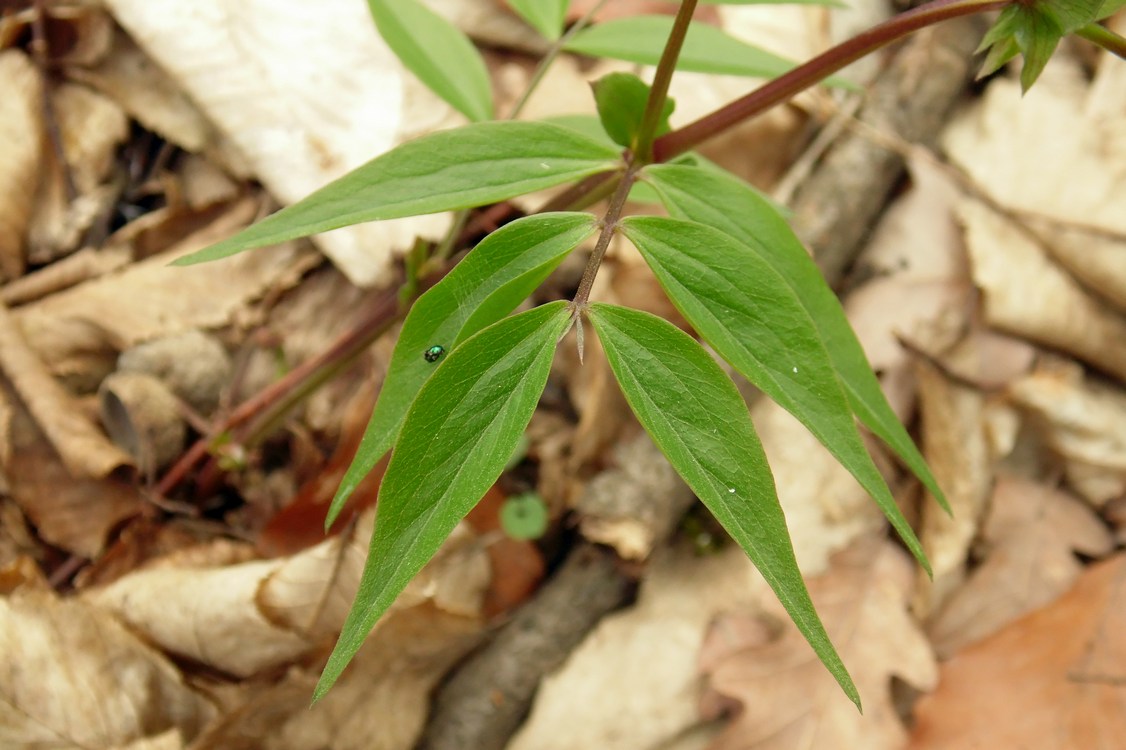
column 434, row 353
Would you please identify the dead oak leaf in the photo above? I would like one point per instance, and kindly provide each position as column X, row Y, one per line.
column 788, row 698
column 1054, row 679
column 75, row 677
column 1032, row 532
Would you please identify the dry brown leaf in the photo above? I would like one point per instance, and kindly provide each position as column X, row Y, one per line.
column 788, row 699
column 1084, row 422
column 300, row 120
column 130, row 78
column 249, row 617
column 1054, row 679
column 1028, row 295
column 83, row 447
column 1098, row 259
column 953, row 441
column 633, row 683
column 74, row 512
column 91, row 127
column 380, row 702
column 1032, row 534
column 82, row 329
column 1063, row 157
column 627, row 508
column 75, row 677
column 826, row 508
column 21, row 132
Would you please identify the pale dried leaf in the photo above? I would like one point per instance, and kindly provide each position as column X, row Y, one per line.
column 1054, row 679
column 75, row 677
column 1055, row 151
column 1082, row 421
column 1097, row 259
column 826, row 508
column 207, row 615
column 1031, row 533
column 1028, row 295
column 129, row 77
column 380, row 703
column 633, row 684
column 788, row 698
column 21, row 132
column 149, row 299
column 953, row 441
column 248, row 617
column 84, row 448
column 91, row 127
column 76, row 513
column 306, row 91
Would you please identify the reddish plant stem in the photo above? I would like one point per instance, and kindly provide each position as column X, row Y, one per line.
column 659, row 91
column 382, row 312
column 790, row 84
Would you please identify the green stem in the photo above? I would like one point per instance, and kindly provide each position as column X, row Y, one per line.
column 659, row 91
column 609, row 226
column 1105, row 38
column 795, row 81
column 552, row 53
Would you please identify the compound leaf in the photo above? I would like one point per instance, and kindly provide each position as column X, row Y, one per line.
column 748, row 312
column 438, row 53
column 723, row 201
column 545, row 16
column 455, row 441
column 461, row 168
column 697, row 418
column 487, row 285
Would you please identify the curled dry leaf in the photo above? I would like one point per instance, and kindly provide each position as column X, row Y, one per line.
column 954, row 444
column 1031, row 535
column 21, row 132
column 91, row 127
column 1084, row 422
column 788, row 698
column 301, row 120
column 82, row 446
column 75, row 677
column 1054, row 679
column 632, row 684
column 1028, row 295
column 74, row 512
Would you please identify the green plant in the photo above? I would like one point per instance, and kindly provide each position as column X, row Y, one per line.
column 466, row 375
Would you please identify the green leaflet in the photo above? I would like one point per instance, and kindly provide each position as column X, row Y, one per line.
column 621, row 99
column 438, row 53
column 697, row 418
column 741, row 306
column 545, row 16
column 726, row 203
column 1034, row 29
column 488, row 284
column 461, row 168
column 706, row 49
column 458, row 435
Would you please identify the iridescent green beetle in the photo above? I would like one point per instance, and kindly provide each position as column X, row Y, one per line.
column 434, row 353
